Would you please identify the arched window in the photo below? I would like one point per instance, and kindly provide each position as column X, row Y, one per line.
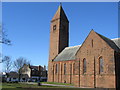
column 74, row 68
column 101, row 65
column 64, row 69
column 70, row 69
column 84, row 66
column 61, row 68
column 54, row 27
column 53, row 68
column 56, row 68
column 92, row 42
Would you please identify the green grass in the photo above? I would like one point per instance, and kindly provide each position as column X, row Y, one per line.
column 23, row 86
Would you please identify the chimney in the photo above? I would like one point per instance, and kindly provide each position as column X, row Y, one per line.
column 44, row 68
column 39, row 68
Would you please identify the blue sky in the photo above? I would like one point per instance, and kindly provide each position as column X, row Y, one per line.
column 28, row 26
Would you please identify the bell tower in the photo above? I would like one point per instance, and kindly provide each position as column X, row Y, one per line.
column 59, row 33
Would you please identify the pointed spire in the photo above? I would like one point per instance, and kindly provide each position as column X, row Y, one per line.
column 60, row 14
column 60, row 4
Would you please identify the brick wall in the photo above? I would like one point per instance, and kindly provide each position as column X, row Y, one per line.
column 92, row 51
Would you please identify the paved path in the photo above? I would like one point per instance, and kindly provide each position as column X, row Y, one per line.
column 70, row 86
column 52, row 85
column 58, row 85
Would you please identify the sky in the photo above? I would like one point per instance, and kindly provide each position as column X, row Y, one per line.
column 28, row 26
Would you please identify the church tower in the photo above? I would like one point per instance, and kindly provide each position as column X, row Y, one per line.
column 59, row 33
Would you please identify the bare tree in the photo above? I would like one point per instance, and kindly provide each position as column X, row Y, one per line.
column 7, row 64
column 3, row 36
column 5, row 58
column 18, row 63
column 3, row 40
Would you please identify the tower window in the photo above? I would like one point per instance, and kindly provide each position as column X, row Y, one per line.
column 54, row 27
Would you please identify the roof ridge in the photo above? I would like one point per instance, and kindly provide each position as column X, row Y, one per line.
column 72, row 46
column 109, row 42
column 115, row 38
column 103, row 36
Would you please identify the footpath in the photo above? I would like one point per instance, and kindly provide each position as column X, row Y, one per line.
column 68, row 86
column 56, row 85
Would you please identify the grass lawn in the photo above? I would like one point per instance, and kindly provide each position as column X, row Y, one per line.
column 23, row 86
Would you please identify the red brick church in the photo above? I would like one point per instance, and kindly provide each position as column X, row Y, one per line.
column 93, row 64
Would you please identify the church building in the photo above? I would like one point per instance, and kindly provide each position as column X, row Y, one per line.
column 93, row 64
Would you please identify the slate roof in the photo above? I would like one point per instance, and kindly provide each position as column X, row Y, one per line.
column 116, row 41
column 16, row 75
column 110, row 42
column 36, row 67
column 67, row 54
column 13, row 75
